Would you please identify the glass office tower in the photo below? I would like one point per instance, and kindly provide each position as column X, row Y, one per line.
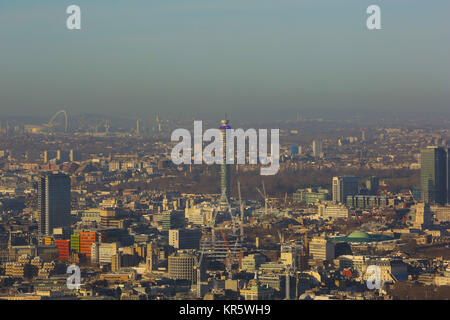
column 54, row 202
column 434, row 175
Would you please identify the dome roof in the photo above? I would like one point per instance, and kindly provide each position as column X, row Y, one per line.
column 359, row 235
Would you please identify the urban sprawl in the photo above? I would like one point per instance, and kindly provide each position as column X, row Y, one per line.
column 106, row 198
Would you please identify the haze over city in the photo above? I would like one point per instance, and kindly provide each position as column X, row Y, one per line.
column 258, row 58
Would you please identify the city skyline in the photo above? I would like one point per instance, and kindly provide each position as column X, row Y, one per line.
column 341, row 206
column 328, row 178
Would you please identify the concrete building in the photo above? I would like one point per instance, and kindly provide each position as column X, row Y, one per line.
column 108, row 218
column 185, row 238
column 317, row 149
column 356, row 263
column 333, row 211
column 116, row 262
column 343, row 187
column 201, row 213
column 19, row 270
column 172, row 219
column 151, row 259
column 321, row 249
column 311, row 195
column 95, row 253
column 257, row 292
column 181, row 266
column 74, row 155
column 423, row 215
column 391, row 269
column 252, row 262
column 441, row 213
column 367, row 201
column 91, row 215
column 106, row 252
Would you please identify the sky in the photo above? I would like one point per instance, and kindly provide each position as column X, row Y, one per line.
column 200, row 58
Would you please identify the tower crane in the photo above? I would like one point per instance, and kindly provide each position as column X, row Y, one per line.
column 264, row 196
column 235, row 221
column 412, row 196
column 289, row 268
column 228, row 262
column 241, row 225
column 198, row 263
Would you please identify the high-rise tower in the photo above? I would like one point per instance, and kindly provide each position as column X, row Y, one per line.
column 54, row 202
column 343, row 187
column 138, row 127
column 224, row 168
column 433, row 175
column 317, row 149
column 158, row 127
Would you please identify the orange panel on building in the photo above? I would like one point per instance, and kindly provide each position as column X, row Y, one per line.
column 47, row 241
column 63, row 248
column 86, row 241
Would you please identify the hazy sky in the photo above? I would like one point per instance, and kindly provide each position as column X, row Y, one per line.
column 203, row 57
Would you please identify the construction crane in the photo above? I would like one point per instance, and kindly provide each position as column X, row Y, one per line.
column 394, row 279
column 305, row 251
column 280, row 237
column 405, row 194
column 235, row 221
column 289, row 268
column 305, row 245
column 264, row 196
column 211, row 226
column 241, row 208
column 228, row 262
column 376, row 208
column 198, row 262
column 241, row 225
column 412, row 196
